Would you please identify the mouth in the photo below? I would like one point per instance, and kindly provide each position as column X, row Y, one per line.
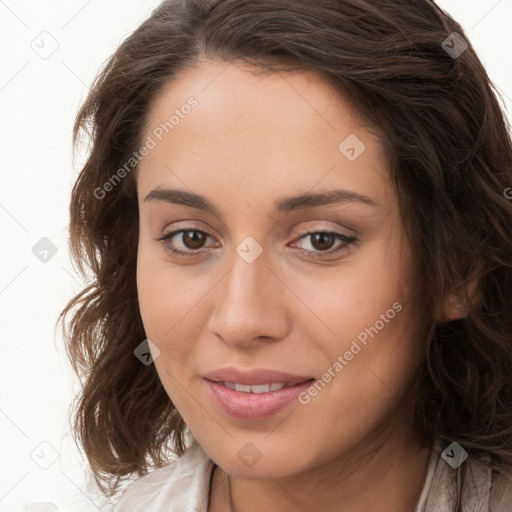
column 254, row 377
column 255, row 402
column 258, row 388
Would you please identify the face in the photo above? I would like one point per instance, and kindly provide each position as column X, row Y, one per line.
column 321, row 290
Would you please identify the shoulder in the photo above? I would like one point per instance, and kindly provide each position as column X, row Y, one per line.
column 182, row 485
column 482, row 490
column 501, row 494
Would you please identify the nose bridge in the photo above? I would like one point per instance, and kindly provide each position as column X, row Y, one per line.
column 248, row 302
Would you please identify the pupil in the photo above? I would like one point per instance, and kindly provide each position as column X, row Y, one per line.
column 196, row 239
column 323, row 238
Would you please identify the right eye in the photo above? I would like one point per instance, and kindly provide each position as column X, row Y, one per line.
column 192, row 241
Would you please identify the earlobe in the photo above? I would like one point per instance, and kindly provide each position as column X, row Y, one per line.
column 454, row 307
column 457, row 303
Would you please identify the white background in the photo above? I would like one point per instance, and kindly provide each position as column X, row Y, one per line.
column 39, row 99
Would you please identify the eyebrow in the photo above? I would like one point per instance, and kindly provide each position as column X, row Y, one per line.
column 284, row 205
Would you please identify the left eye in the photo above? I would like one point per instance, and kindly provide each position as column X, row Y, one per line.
column 322, row 241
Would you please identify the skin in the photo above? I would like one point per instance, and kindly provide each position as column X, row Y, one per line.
column 253, row 139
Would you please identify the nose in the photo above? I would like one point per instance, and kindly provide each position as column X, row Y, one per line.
column 250, row 304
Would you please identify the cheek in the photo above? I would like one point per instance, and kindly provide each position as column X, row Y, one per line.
column 369, row 317
column 171, row 303
column 371, row 327
column 368, row 364
column 166, row 303
column 150, row 292
column 345, row 302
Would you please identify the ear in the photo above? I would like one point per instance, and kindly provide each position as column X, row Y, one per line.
column 457, row 303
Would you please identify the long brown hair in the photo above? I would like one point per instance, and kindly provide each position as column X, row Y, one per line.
column 450, row 159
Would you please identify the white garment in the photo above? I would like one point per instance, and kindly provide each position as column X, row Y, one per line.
column 184, row 485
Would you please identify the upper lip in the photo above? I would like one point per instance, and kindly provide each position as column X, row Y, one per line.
column 254, row 376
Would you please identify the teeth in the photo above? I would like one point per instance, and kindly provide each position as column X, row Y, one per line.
column 260, row 388
column 243, row 387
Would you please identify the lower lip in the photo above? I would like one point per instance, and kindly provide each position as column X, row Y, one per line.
column 254, row 406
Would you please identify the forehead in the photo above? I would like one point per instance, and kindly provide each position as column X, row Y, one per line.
column 236, row 86
column 255, row 129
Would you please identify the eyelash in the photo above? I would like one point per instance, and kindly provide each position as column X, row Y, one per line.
column 349, row 242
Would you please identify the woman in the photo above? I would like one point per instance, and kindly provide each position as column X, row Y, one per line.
column 297, row 220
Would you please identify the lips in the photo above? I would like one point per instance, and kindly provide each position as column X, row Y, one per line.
column 255, row 377
column 254, row 394
column 254, row 406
